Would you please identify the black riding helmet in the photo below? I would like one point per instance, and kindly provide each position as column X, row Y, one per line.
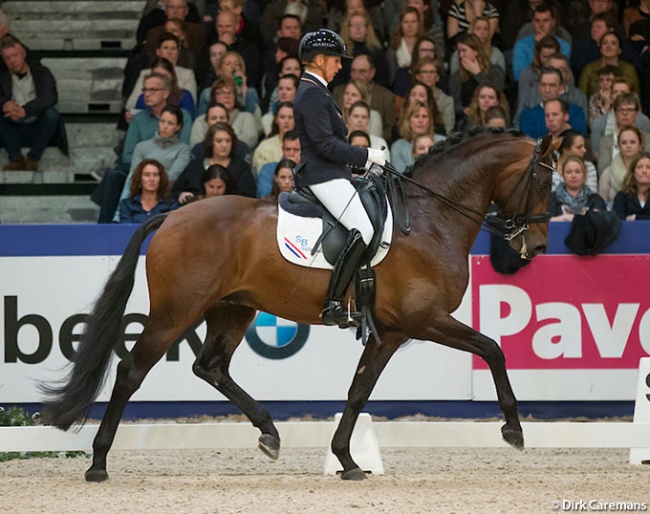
column 321, row 42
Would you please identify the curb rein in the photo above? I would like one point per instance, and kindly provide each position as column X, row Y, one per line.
column 496, row 223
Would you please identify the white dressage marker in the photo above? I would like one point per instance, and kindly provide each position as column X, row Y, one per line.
column 642, row 409
column 364, row 447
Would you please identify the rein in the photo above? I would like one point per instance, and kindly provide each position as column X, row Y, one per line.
column 495, row 223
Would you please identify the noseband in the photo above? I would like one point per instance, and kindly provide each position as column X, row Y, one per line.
column 510, row 227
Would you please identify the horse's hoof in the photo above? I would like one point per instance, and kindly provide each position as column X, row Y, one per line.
column 514, row 437
column 356, row 475
column 270, row 445
column 96, row 475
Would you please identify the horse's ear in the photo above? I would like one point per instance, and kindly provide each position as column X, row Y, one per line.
column 546, row 144
column 549, row 145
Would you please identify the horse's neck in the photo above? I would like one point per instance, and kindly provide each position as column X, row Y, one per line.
column 468, row 187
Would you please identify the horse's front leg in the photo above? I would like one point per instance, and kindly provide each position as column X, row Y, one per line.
column 450, row 332
column 372, row 363
column 226, row 326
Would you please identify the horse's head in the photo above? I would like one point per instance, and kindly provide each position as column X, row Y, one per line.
column 523, row 197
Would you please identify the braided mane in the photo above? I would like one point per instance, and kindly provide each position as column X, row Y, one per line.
column 454, row 140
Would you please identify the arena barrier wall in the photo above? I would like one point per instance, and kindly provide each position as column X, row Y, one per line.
column 573, row 330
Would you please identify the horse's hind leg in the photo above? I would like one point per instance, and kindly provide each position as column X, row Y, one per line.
column 373, row 361
column 226, row 326
column 451, row 332
column 148, row 350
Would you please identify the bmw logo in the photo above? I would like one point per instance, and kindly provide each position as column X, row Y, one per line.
column 276, row 338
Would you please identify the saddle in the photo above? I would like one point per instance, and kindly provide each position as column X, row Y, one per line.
column 304, row 204
column 308, row 235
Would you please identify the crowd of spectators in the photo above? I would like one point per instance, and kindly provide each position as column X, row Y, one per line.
column 419, row 70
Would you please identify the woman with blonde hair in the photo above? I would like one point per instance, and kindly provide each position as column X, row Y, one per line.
column 232, row 65
column 475, row 69
column 421, row 144
column 342, row 9
column 356, row 91
column 633, row 202
column 572, row 195
column 631, row 142
column 224, row 91
column 357, row 29
column 485, row 96
column 419, row 92
column 415, row 121
column 480, row 27
column 360, row 38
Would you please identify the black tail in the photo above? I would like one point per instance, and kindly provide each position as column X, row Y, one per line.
column 70, row 401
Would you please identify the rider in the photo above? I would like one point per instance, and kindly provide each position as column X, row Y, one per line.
column 325, row 157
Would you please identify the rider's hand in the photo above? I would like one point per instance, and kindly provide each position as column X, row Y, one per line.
column 375, row 156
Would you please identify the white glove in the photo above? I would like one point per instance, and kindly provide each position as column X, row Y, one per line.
column 375, row 156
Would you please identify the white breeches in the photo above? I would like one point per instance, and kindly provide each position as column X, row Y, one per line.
column 340, row 198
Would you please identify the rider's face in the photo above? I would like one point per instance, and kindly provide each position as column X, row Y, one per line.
column 331, row 66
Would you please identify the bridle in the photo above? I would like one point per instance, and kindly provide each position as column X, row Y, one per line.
column 496, row 222
column 510, row 227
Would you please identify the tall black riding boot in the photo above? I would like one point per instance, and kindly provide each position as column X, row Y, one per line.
column 334, row 312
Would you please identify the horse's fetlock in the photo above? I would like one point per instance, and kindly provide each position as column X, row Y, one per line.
column 124, row 366
column 199, row 370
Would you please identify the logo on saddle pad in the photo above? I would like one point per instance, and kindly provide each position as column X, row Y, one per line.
column 302, row 229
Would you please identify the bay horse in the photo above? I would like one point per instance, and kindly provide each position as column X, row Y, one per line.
column 218, row 259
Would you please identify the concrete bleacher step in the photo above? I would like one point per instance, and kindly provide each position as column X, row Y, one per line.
column 75, row 25
column 88, row 84
column 91, row 149
column 39, row 7
column 85, row 41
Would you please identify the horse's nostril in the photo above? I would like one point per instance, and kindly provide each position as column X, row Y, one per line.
column 540, row 249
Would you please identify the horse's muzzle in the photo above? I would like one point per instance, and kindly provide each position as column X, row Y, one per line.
column 538, row 250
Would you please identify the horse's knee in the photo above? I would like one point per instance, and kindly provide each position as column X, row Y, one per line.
column 494, row 354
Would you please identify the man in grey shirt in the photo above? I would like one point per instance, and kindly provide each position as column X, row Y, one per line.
column 27, row 95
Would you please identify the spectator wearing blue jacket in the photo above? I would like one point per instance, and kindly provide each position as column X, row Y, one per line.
column 544, row 23
column 532, row 121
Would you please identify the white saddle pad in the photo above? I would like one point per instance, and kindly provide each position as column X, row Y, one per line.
column 297, row 235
